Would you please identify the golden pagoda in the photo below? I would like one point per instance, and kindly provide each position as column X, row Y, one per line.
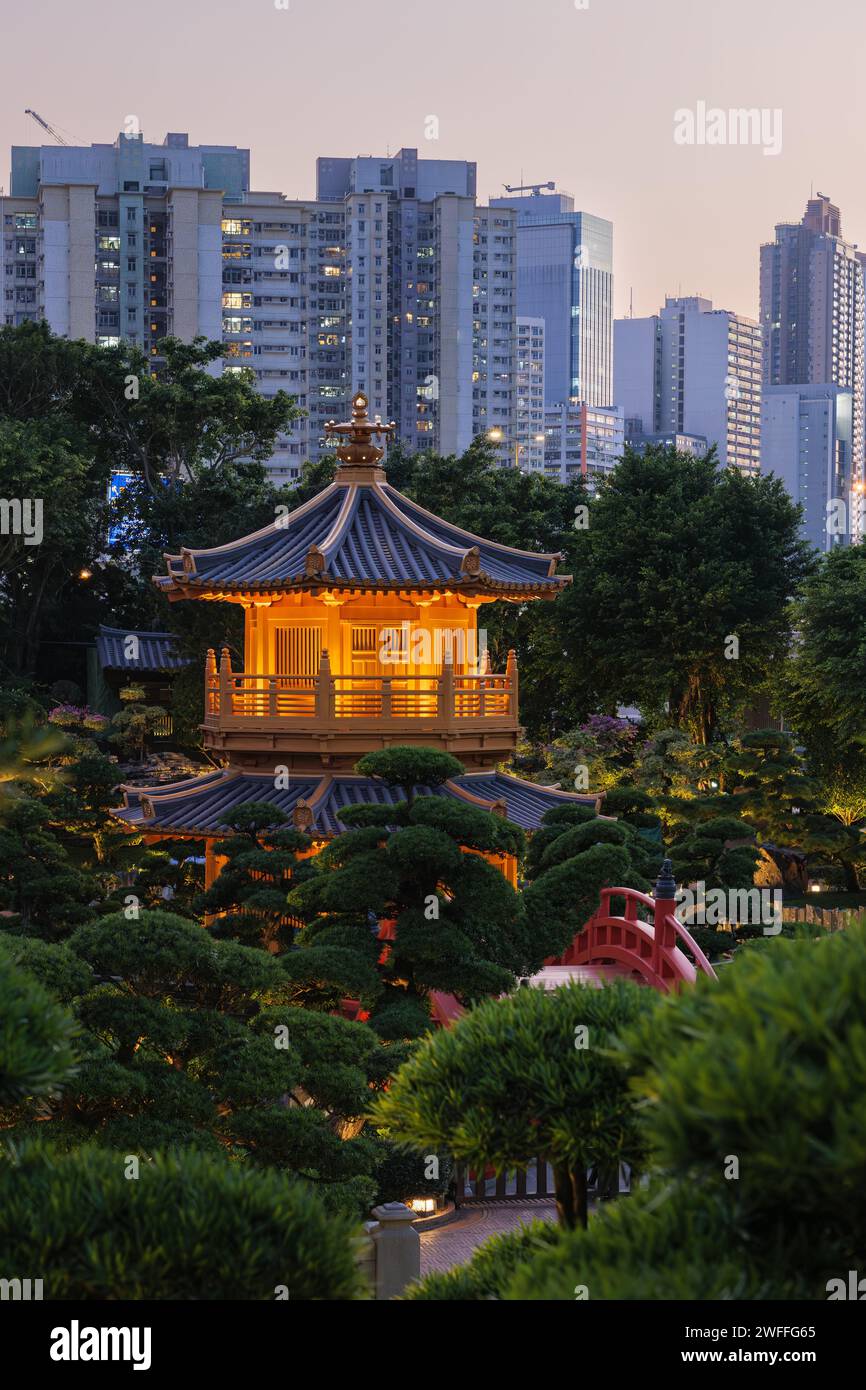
column 361, row 632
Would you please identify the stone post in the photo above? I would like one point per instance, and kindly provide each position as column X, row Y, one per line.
column 398, row 1249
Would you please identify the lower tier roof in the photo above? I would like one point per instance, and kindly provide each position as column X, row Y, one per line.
column 199, row 805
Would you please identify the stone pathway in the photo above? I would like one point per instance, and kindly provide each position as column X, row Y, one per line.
column 454, row 1244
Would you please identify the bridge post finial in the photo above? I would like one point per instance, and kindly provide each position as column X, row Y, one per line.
column 664, row 933
column 665, row 889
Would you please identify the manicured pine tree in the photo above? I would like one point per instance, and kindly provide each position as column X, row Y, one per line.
column 405, row 903
column 572, row 856
column 248, row 896
column 534, row 1076
column 186, row 1042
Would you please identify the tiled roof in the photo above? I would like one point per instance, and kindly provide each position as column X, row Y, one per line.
column 156, row 650
column 200, row 804
column 361, row 532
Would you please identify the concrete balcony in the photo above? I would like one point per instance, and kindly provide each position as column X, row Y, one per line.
column 332, row 720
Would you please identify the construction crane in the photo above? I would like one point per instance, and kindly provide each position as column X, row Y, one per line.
column 529, row 187
column 45, row 126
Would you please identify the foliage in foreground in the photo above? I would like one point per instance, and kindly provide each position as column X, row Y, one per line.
column 36, row 1051
column 754, row 1092
column 188, row 1227
column 186, row 1043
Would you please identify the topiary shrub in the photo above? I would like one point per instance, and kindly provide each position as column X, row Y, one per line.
column 658, row 1244
column 633, row 805
column 530, row 1076
column 188, row 1227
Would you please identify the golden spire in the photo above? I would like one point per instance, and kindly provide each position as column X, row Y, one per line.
column 359, row 451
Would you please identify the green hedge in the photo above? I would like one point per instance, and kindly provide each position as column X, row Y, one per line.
column 189, row 1227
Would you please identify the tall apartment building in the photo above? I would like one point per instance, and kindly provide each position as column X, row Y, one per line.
column 529, row 394
column 138, row 241
column 565, row 277
column 695, row 370
column 812, row 309
column 582, row 440
column 445, row 269
column 119, row 240
column 392, row 280
column 807, row 440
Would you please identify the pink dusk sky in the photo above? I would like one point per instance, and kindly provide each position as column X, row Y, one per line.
column 531, row 90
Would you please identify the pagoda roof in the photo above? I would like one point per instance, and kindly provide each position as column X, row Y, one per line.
column 199, row 805
column 156, row 650
column 361, row 533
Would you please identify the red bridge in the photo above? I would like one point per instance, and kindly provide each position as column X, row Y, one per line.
column 622, row 945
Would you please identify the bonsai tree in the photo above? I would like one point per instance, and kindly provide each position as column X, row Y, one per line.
column 528, row 1077
column 407, row 768
column 571, row 858
column 249, row 894
column 404, row 903
column 136, row 723
column 185, row 1042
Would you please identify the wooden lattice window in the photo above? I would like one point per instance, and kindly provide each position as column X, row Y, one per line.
column 365, row 650
column 297, row 650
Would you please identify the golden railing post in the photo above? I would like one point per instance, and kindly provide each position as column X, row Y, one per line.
column 446, row 690
column 511, row 673
column 272, row 697
column 226, row 701
column 386, row 696
column 210, row 692
column 323, row 689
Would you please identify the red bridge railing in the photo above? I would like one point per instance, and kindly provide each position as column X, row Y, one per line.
column 650, row 949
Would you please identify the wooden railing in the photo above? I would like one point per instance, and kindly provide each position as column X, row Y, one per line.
column 242, row 699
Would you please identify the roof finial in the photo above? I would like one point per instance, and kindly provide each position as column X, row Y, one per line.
column 359, row 451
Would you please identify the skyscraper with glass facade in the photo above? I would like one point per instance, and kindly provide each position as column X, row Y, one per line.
column 565, row 277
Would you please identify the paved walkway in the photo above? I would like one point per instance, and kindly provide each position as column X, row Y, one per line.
column 454, row 1244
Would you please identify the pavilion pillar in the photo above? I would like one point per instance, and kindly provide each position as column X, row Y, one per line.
column 225, row 676
column 210, row 864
